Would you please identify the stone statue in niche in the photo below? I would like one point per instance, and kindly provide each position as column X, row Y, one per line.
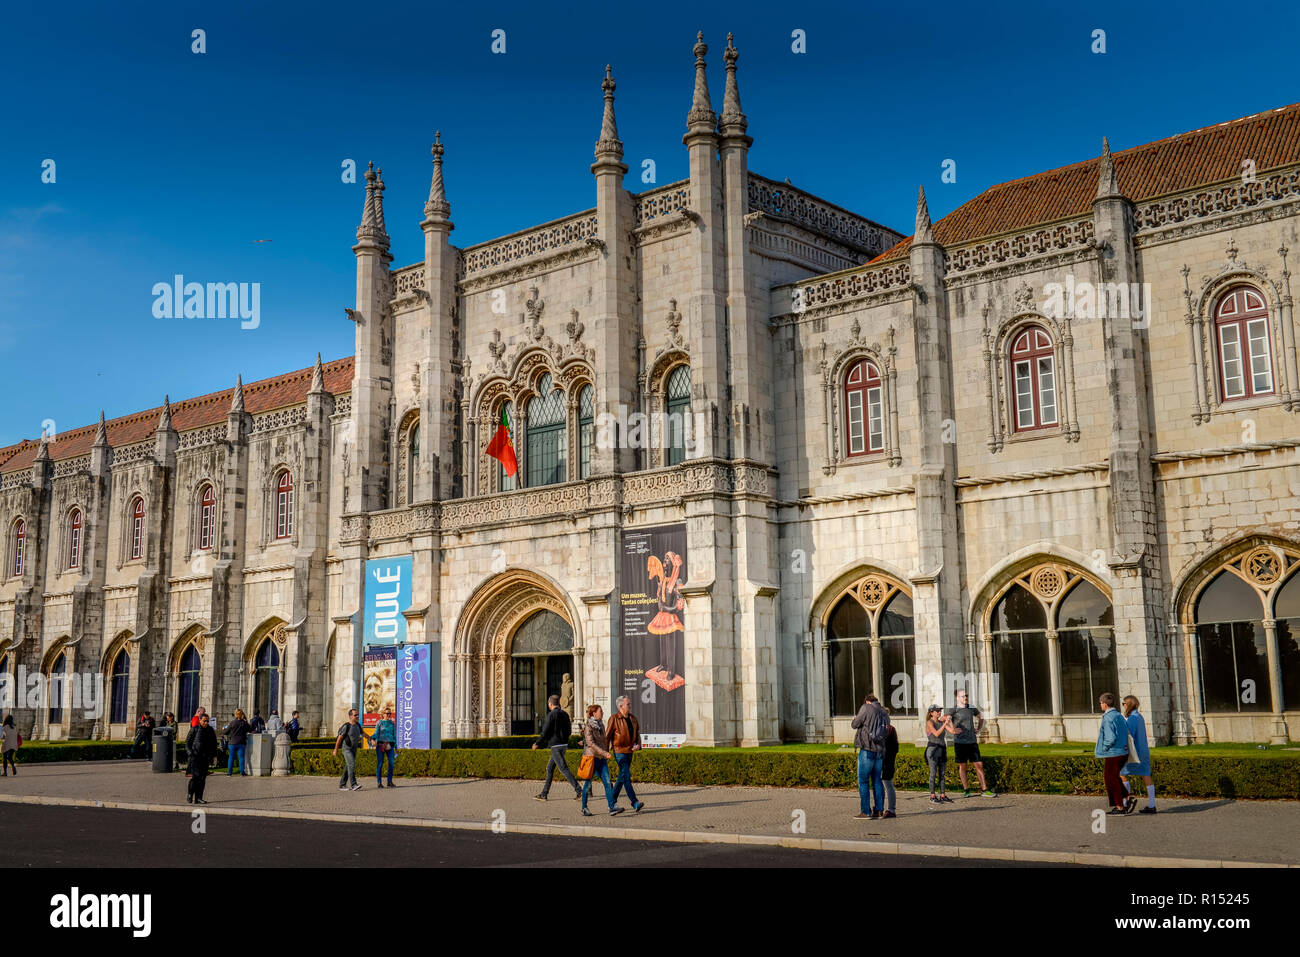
column 566, row 695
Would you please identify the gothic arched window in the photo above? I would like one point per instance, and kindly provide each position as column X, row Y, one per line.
column 18, row 545
column 1233, row 646
column 284, row 505
column 1033, row 374
column 207, row 516
column 266, row 684
column 1243, row 344
column 137, row 528
column 586, row 429
column 187, row 696
column 118, row 687
column 74, row 538
column 508, row 483
column 58, row 671
column 864, row 409
column 874, row 616
column 547, row 448
column 677, row 405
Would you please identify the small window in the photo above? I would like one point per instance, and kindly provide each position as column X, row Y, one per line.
column 137, row 528
column 1033, row 371
column 1244, row 344
column 678, row 407
column 74, row 538
column 119, row 687
column 546, row 438
column 586, row 430
column 284, row 506
column 207, row 517
column 864, row 409
column 19, row 546
column 58, row 672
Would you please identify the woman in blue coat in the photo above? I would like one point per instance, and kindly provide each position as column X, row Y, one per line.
column 1137, row 727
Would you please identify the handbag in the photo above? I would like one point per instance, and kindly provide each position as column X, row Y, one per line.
column 1133, row 757
column 586, row 767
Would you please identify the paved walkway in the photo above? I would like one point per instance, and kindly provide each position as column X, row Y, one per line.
column 1213, row 833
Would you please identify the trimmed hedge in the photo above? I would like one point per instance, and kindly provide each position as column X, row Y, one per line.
column 1175, row 777
column 515, row 741
column 36, row 752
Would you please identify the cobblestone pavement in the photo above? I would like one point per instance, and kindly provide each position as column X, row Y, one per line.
column 1206, row 830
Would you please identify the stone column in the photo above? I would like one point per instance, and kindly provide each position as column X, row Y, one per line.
column 1054, row 666
column 1200, row 731
column 1278, row 732
column 992, row 732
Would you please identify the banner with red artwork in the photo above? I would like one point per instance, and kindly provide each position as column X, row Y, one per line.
column 652, row 645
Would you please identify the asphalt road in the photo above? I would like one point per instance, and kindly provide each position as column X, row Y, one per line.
column 32, row 836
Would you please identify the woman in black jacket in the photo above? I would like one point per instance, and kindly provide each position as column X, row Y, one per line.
column 201, row 746
column 237, row 741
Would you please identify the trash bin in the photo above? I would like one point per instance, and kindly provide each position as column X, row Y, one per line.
column 163, row 749
column 260, row 753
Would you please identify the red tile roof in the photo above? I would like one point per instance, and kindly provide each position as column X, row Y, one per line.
column 1171, row 165
column 262, row 396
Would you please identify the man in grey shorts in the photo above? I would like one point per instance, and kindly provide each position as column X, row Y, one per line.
column 966, row 749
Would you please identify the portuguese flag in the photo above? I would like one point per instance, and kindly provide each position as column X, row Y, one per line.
column 501, row 448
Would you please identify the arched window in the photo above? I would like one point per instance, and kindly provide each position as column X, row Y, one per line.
column 1234, row 654
column 586, row 429
column 137, row 528
column 508, row 483
column 284, row 506
column 57, row 672
column 873, row 608
column 547, row 441
column 406, row 478
column 864, row 409
column 74, row 538
column 1033, row 370
column 18, row 547
column 677, row 405
column 207, row 516
column 266, row 683
column 187, row 697
column 118, row 687
column 1245, row 350
column 1286, row 610
column 1048, row 601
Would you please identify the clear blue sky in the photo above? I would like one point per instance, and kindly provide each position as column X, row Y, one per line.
column 171, row 162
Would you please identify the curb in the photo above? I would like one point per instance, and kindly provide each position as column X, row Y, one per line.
column 682, row 837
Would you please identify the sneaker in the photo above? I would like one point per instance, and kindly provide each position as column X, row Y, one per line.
column 577, row 795
column 200, row 801
column 379, row 784
column 355, row 787
column 966, row 793
column 1147, row 810
column 539, row 797
column 1116, row 810
column 1130, row 804
column 875, row 815
column 865, row 816
column 638, row 805
column 586, row 813
column 990, row 794
column 946, row 800
column 189, row 799
column 390, row 784
column 889, row 814
column 935, row 801
column 617, row 810
column 343, row 787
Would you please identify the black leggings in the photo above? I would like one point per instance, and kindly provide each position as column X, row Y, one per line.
column 9, row 761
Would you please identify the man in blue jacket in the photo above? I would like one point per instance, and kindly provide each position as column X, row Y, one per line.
column 1112, row 748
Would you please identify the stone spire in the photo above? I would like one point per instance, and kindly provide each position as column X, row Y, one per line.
column 1107, row 184
column 922, row 234
column 317, row 377
column 608, row 146
column 701, row 118
column 165, row 420
column 237, row 397
column 372, row 215
column 437, row 208
column 43, row 453
column 733, row 120
column 101, row 432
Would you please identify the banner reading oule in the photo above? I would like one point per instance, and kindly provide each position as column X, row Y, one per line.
column 653, row 633
column 388, row 594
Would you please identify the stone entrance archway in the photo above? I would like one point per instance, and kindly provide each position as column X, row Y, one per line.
column 481, row 660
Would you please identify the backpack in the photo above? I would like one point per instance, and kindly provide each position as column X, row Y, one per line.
column 881, row 733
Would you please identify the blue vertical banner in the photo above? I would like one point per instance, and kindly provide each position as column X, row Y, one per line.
column 388, row 594
column 414, row 697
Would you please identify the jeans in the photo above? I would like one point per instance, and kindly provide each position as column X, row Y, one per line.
column 1114, row 783
column 891, row 796
column 391, row 754
column 557, row 761
column 937, row 757
column 237, row 751
column 624, row 762
column 599, row 769
column 9, row 761
column 349, row 768
column 869, row 782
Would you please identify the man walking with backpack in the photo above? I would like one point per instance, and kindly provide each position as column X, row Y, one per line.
column 555, row 735
column 872, row 727
column 349, row 739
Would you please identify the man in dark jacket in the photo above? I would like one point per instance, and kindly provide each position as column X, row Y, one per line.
column 555, row 735
column 871, row 724
column 201, row 747
column 143, row 736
